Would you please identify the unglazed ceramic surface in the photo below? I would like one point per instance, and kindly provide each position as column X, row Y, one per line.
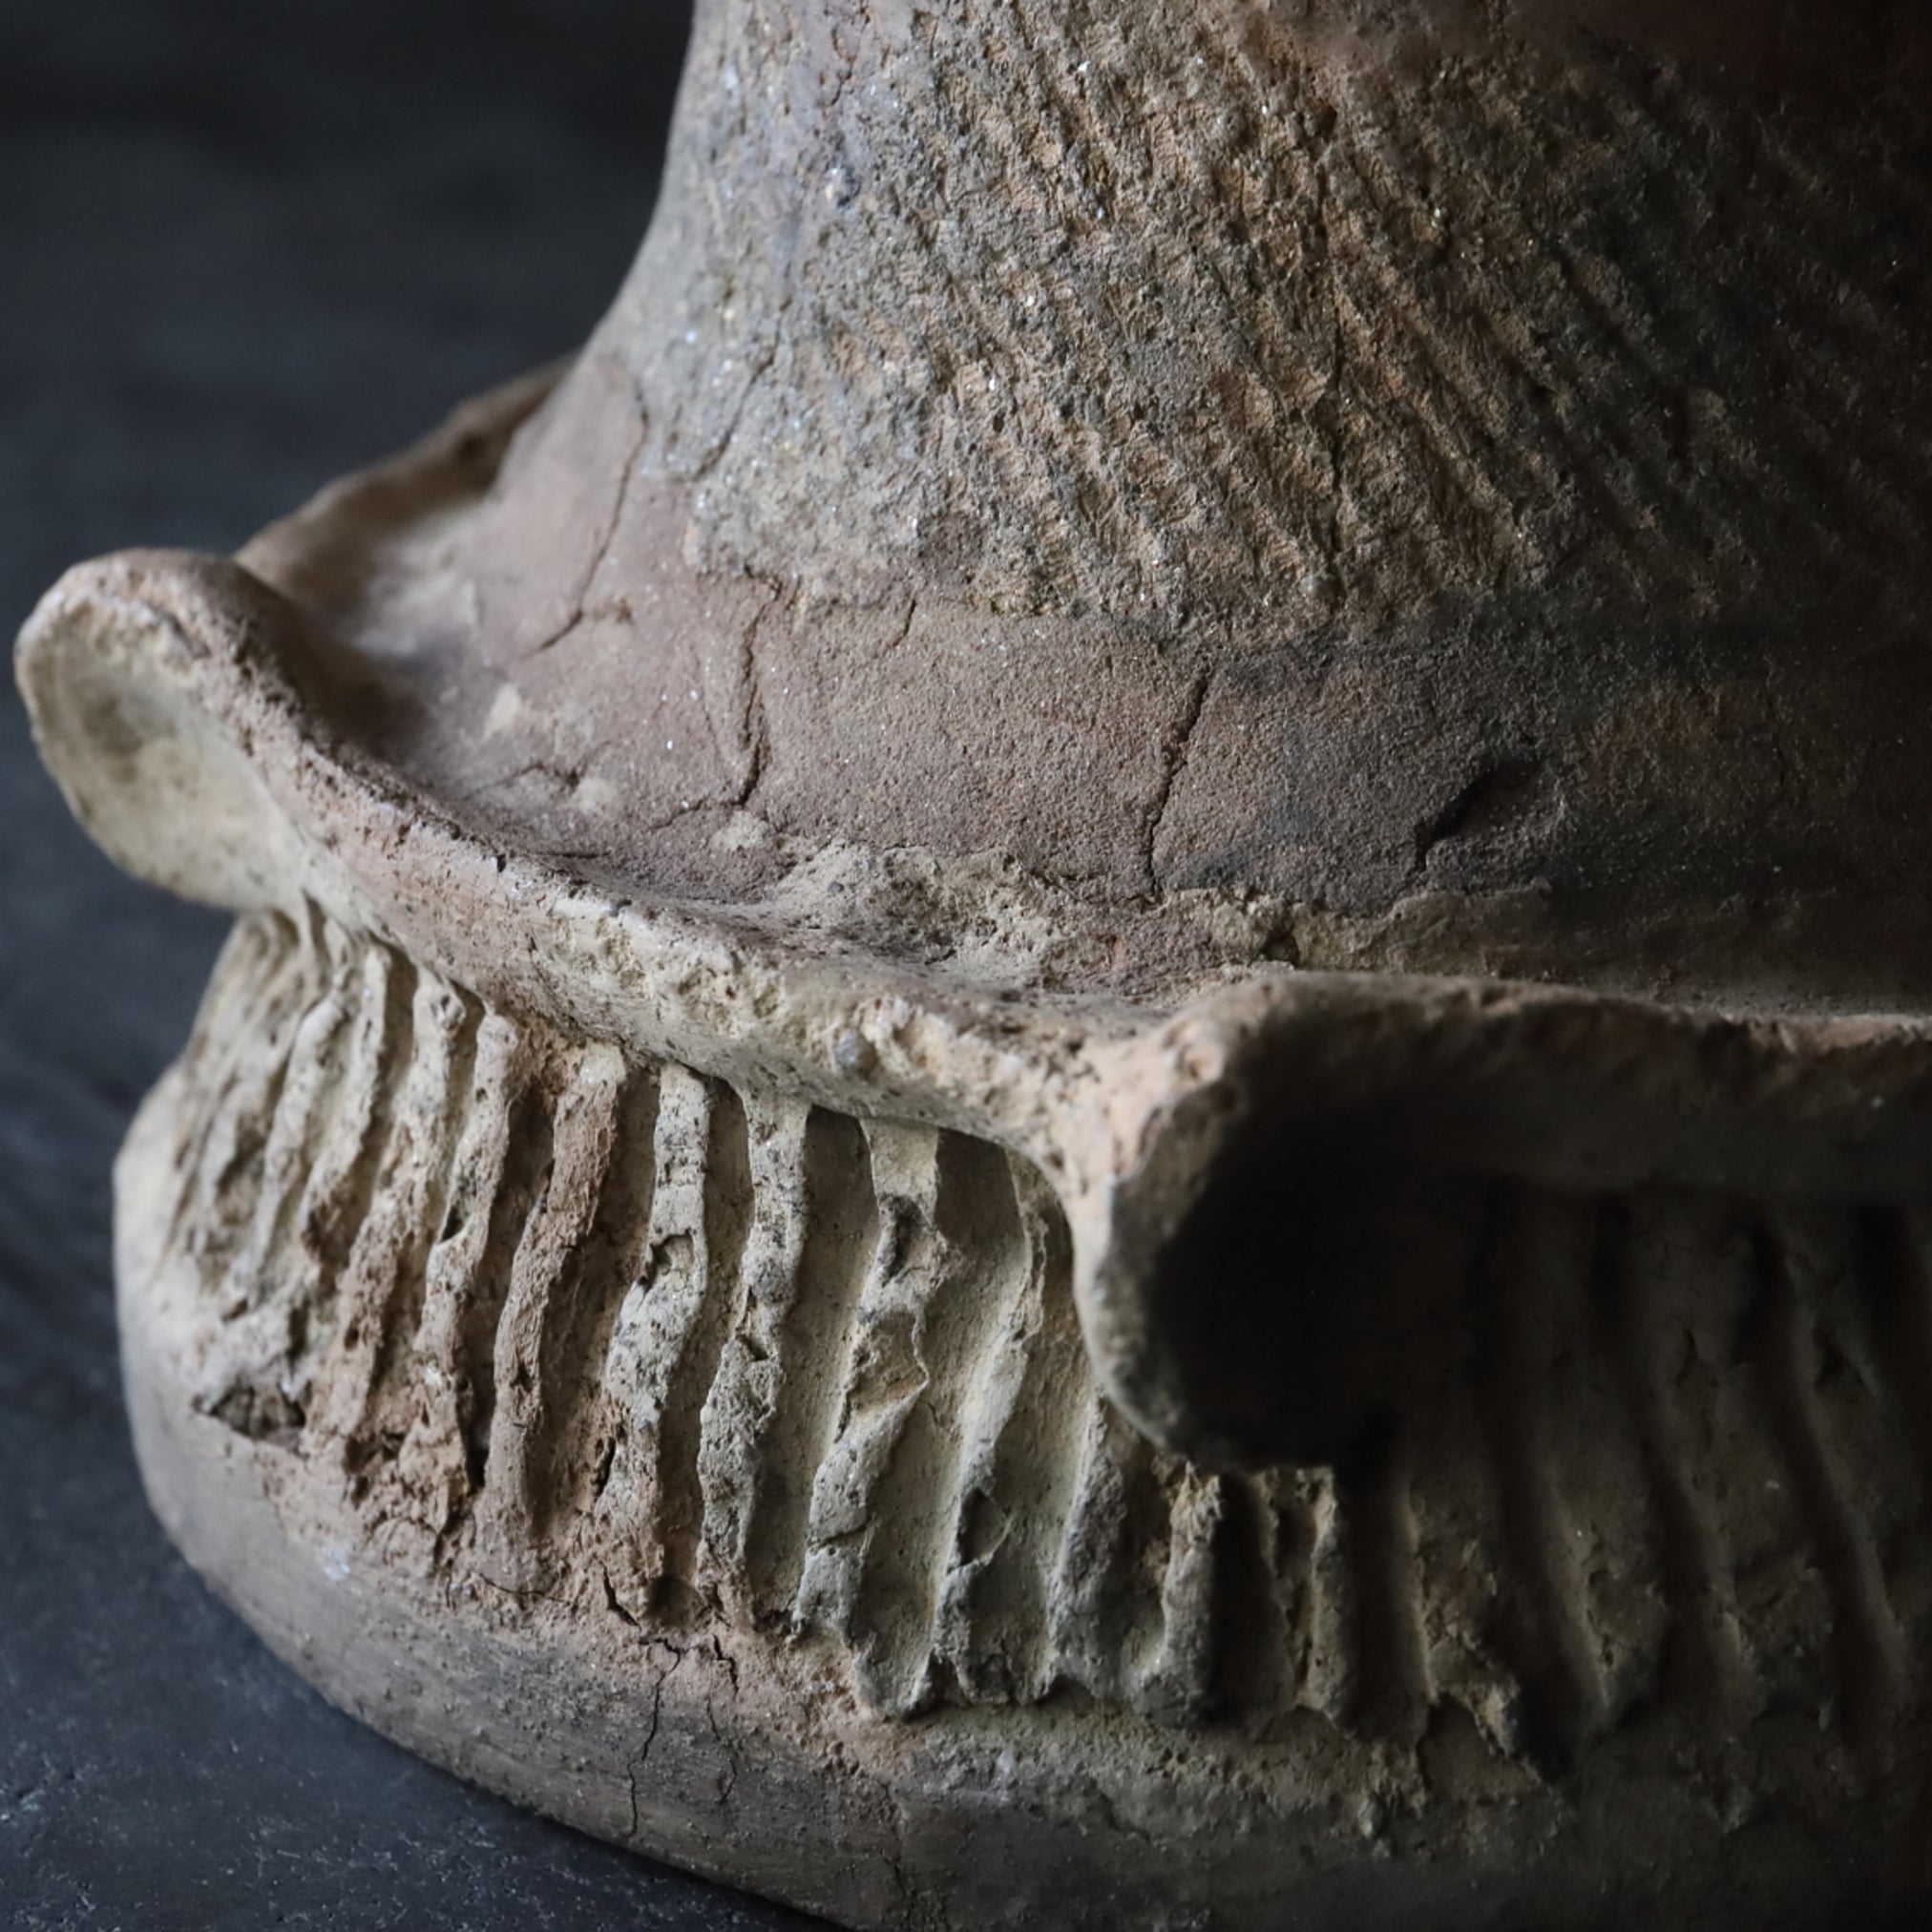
column 874, row 1195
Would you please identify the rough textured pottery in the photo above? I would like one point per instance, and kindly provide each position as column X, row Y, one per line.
column 1075, row 1071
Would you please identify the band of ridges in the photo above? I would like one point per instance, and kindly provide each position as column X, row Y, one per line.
column 617, row 1333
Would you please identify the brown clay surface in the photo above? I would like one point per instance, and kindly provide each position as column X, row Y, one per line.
column 760, row 1194
column 1458, row 511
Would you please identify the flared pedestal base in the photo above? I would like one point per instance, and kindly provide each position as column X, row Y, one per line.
column 981, row 1658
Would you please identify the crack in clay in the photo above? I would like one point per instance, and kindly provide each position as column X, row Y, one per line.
column 566, row 777
column 906, row 628
column 1175, row 762
column 727, row 1783
column 1122, row 1563
column 753, row 724
column 612, row 1601
column 606, row 538
column 640, row 1760
column 1496, row 794
column 914, row 1247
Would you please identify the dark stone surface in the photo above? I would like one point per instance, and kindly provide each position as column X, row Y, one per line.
column 242, row 249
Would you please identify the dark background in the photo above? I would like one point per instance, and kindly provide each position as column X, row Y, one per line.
column 242, row 248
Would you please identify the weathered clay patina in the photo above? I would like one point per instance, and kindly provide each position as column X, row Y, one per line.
column 1076, row 1060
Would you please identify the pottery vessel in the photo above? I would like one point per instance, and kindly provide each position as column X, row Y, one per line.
column 1076, row 1066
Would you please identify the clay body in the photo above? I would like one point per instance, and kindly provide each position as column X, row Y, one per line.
column 1075, row 1062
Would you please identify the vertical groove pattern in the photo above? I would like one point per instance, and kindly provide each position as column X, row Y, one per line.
column 379, row 1304
column 664, row 1354
column 544, row 1282
column 1016, row 1475
column 586, row 1324
column 435, row 1461
column 1819, row 1418
column 810, row 1224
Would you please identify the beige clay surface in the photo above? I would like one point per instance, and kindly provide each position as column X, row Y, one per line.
column 1075, row 1071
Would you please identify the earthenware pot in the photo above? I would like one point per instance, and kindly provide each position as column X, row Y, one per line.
column 1076, row 1062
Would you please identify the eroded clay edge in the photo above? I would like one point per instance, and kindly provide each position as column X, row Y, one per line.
column 614, row 1342
column 185, row 709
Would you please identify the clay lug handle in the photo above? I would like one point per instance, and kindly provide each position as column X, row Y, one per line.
column 1270, row 1194
column 140, row 672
